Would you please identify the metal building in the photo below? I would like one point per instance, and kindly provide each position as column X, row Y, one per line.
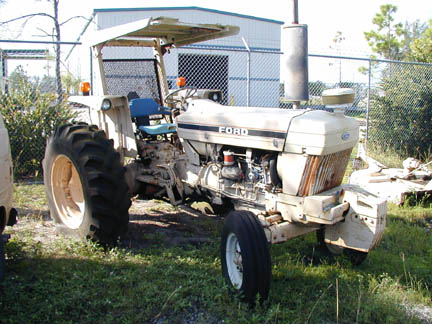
column 246, row 78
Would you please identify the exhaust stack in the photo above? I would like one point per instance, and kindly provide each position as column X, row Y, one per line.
column 296, row 87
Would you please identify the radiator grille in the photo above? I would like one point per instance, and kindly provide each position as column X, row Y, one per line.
column 324, row 172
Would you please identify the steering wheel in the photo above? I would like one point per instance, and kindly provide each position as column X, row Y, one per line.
column 189, row 93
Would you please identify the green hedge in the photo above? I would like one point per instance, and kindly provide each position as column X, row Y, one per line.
column 30, row 118
column 401, row 115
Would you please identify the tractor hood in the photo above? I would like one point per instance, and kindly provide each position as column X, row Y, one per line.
column 296, row 131
column 171, row 31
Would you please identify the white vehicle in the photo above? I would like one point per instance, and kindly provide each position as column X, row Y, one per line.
column 7, row 213
column 279, row 171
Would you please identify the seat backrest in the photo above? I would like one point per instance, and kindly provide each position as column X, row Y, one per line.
column 142, row 107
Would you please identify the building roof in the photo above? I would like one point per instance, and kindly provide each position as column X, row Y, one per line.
column 170, row 30
column 189, row 8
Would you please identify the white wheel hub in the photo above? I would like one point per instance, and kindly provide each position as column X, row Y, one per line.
column 234, row 260
column 67, row 192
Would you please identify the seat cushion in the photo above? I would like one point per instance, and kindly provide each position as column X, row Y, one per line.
column 159, row 129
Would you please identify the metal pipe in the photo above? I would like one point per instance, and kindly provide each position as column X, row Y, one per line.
column 368, row 102
column 296, row 104
column 38, row 42
column 296, row 61
column 248, row 69
column 365, row 59
column 232, row 49
column 91, row 72
column 295, row 12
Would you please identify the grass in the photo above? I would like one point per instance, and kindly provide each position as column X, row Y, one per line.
column 393, row 159
column 53, row 279
column 30, row 196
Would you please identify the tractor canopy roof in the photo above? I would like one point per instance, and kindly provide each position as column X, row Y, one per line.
column 171, row 31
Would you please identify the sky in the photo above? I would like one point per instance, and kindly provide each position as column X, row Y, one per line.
column 324, row 18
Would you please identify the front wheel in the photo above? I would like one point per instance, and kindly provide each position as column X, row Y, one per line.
column 245, row 255
column 85, row 184
column 356, row 257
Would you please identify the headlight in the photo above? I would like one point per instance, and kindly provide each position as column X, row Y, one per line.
column 106, row 105
column 215, row 96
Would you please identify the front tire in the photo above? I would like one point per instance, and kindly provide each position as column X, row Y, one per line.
column 356, row 257
column 85, row 184
column 245, row 256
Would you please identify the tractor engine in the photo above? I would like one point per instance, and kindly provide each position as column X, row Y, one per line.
column 285, row 166
column 237, row 154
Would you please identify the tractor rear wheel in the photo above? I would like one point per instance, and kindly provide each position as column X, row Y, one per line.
column 245, row 255
column 85, row 184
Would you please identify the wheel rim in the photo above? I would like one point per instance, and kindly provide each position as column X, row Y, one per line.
column 234, row 261
column 67, row 192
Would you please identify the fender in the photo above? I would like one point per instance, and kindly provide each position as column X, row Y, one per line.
column 115, row 121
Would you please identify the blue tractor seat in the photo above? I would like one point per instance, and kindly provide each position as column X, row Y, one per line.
column 142, row 108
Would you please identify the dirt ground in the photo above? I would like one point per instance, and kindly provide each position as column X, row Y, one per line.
column 155, row 220
column 150, row 222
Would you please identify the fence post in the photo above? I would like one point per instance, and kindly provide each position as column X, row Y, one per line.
column 368, row 101
column 247, row 72
column 91, row 72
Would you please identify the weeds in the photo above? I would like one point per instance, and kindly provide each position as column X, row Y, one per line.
column 55, row 279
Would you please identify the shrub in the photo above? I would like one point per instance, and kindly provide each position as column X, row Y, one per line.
column 31, row 117
column 401, row 116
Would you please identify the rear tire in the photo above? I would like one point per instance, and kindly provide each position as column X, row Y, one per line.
column 85, row 184
column 245, row 256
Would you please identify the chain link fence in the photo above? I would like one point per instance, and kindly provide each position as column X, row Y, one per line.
column 29, row 103
column 393, row 100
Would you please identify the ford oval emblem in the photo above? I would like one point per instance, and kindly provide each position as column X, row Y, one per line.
column 345, row 136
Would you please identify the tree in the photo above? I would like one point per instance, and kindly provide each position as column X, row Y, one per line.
column 55, row 34
column 337, row 40
column 71, row 83
column 46, row 84
column 316, row 88
column 421, row 47
column 18, row 77
column 401, row 118
column 387, row 40
column 411, row 32
column 30, row 119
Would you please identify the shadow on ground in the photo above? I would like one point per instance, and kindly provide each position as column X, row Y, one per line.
column 152, row 222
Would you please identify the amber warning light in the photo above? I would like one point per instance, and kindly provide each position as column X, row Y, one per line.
column 181, row 82
column 85, row 88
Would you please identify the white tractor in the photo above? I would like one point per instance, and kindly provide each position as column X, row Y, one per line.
column 278, row 170
column 8, row 215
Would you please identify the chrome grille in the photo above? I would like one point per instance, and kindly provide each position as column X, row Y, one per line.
column 323, row 172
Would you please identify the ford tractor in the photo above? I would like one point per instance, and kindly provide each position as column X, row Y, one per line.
column 278, row 171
